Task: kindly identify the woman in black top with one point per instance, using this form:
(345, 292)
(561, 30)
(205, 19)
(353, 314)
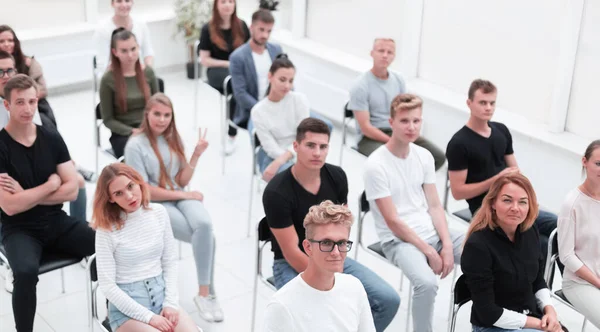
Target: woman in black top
(502, 262)
(219, 38)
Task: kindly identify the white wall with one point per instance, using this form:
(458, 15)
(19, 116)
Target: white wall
(513, 43)
(584, 113)
(40, 14)
(352, 25)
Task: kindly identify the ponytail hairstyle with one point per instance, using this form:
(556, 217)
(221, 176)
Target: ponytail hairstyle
(281, 61)
(588, 153)
(122, 34)
(216, 35)
(20, 58)
(170, 134)
(486, 217)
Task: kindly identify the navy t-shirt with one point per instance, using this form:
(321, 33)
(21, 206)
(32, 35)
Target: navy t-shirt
(483, 157)
(286, 202)
(31, 167)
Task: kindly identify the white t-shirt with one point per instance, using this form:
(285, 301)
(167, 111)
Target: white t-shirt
(276, 122)
(387, 175)
(4, 116)
(102, 38)
(297, 307)
(262, 64)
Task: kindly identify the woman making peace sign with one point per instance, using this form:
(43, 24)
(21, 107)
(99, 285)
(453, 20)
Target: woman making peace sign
(157, 154)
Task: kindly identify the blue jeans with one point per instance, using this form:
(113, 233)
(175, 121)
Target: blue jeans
(264, 161)
(384, 299)
(78, 208)
(497, 329)
(150, 293)
(546, 223)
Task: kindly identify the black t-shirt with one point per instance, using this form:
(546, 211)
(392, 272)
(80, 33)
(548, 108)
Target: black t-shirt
(31, 167)
(215, 52)
(286, 202)
(482, 157)
(502, 274)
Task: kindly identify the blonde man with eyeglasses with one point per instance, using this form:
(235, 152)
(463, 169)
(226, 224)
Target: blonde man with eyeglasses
(322, 297)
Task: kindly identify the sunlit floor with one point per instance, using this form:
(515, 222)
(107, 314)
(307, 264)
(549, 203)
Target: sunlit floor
(227, 195)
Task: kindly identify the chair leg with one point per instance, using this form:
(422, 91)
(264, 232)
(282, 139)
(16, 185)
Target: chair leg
(409, 308)
(224, 122)
(179, 250)
(452, 291)
(62, 279)
(453, 319)
(584, 324)
(250, 204)
(401, 281)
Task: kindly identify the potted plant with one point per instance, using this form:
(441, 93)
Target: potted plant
(268, 4)
(190, 16)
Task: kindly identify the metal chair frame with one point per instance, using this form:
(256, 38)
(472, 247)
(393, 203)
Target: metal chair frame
(263, 237)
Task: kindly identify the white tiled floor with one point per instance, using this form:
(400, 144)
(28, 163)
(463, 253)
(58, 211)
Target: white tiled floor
(226, 198)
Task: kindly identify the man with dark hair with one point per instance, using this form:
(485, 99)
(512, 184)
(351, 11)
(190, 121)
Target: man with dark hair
(371, 97)
(249, 65)
(481, 152)
(287, 199)
(31, 210)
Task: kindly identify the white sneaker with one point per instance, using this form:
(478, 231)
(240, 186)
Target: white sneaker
(204, 305)
(229, 145)
(216, 309)
(8, 281)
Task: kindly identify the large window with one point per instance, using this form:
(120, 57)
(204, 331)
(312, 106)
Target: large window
(513, 43)
(41, 14)
(352, 25)
(584, 114)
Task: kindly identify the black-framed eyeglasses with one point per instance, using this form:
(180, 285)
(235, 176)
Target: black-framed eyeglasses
(10, 72)
(328, 245)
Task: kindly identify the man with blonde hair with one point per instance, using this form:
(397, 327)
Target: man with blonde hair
(288, 198)
(322, 297)
(409, 218)
(371, 97)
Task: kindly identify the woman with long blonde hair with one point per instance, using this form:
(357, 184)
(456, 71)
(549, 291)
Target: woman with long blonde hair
(157, 153)
(135, 255)
(503, 264)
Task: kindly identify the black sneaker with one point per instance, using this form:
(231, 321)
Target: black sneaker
(88, 176)
(106, 324)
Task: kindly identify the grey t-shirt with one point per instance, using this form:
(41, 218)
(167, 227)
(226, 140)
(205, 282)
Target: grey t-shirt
(140, 156)
(375, 95)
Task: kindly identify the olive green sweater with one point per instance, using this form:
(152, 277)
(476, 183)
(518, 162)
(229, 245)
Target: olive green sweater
(112, 116)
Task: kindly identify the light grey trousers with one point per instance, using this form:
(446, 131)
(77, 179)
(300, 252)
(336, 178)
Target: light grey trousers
(192, 224)
(584, 297)
(413, 264)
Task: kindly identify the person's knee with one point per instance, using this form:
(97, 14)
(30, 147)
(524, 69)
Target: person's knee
(426, 284)
(25, 273)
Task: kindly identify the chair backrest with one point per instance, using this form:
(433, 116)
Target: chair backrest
(462, 294)
(264, 232)
(364, 204)
(98, 114)
(552, 258)
(93, 270)
(348, 112)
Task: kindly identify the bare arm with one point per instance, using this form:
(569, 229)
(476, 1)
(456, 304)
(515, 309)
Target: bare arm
(149, 61)
(400, 228)
(69, 187)
(207, 61)
(159, 194)
(511, 160)
(24, 200)
(436, 211)
(288, 242)
(374, 133)
(462, 190)
(185, 174)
